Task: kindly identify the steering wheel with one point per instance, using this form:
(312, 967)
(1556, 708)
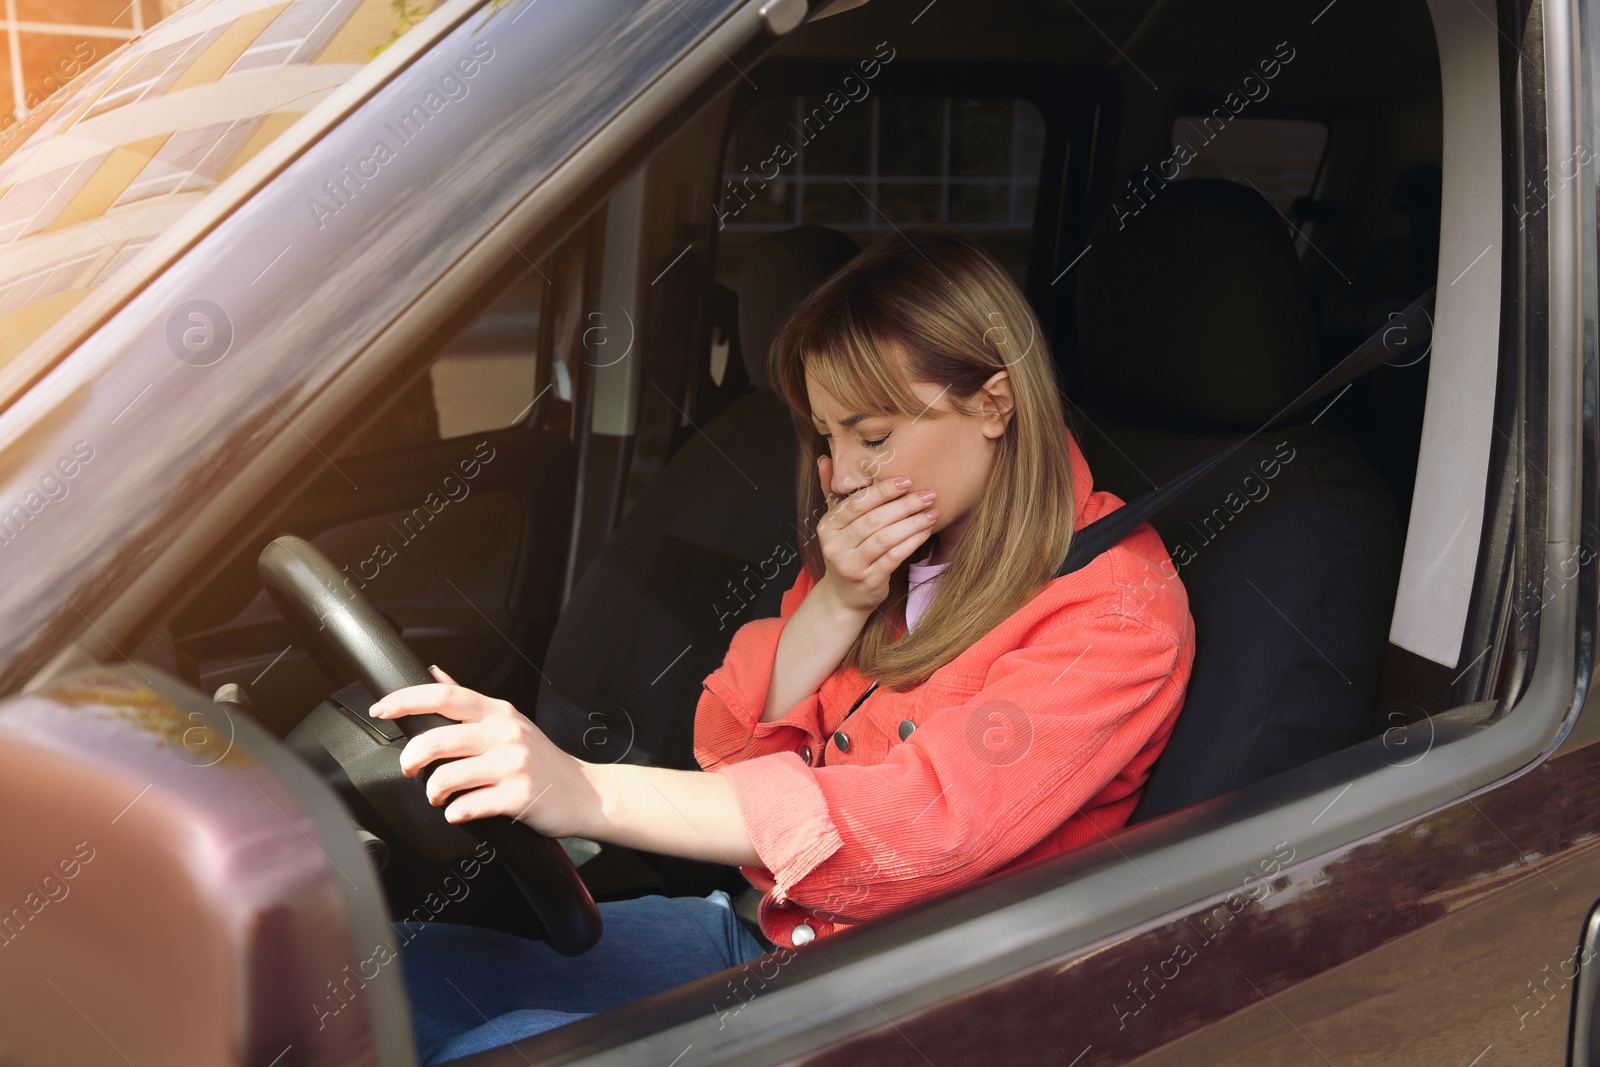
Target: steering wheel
(347, 637)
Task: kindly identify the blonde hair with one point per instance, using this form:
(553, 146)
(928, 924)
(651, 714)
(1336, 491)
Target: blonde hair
(958, 318)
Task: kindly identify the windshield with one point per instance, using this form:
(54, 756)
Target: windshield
(95, 173)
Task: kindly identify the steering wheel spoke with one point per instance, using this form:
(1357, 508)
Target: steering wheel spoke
(353, 643)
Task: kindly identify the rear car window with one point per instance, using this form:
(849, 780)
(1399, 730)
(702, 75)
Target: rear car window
(882, 162)
(1281, 158)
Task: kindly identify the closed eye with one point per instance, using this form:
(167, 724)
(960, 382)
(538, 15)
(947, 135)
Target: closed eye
(869, 442)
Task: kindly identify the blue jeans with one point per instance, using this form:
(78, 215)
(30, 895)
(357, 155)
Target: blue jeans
(472, 989)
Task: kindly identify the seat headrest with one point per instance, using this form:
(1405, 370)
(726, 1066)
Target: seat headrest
(778, 272)
(1193, 311)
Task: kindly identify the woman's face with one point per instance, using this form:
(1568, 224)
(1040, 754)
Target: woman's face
(940, 449)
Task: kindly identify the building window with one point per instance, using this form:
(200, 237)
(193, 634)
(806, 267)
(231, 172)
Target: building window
(121, 260)
(45, 282)
(297, 35)
(189, 161)
(34, 203)
(153, 74)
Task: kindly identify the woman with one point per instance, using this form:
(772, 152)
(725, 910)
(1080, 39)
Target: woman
(932, 705)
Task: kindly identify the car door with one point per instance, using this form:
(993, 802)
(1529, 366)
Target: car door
(1422, 897)
(230, 880)
(451, 510)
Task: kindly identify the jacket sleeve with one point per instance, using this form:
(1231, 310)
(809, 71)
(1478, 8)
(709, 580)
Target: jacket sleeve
(979, 782)
(727, 726)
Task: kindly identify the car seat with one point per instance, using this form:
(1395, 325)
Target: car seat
(693, 558)
(1194, 328)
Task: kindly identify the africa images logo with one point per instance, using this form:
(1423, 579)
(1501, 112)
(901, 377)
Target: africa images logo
(999, 733)
(736, 194)
(53, 486)
(342, 189)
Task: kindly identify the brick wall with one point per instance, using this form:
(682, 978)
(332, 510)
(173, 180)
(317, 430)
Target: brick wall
(48, 41)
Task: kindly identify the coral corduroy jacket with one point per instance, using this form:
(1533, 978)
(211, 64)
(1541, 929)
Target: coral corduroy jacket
(1037, 739)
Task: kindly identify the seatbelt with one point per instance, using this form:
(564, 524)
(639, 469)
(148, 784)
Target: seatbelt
(1405, 331)
(1409, 330)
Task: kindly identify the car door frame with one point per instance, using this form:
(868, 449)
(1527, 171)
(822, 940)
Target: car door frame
(931, 954)
(327, 404)
(109, 585)
(952, 959)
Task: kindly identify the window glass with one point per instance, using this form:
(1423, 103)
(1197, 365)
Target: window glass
(1280, 157)
(33, 204)
(485, 378)
(491, 374)
(152, 74)
(103, 166)
(297, 35)
(883, 163)
(189, 161)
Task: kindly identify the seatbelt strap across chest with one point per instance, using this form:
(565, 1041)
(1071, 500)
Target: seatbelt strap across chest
(1408, 331)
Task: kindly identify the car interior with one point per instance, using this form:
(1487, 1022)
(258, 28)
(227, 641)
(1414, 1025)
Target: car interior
(573, 497)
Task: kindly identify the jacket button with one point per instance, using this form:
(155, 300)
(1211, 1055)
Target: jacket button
(906, 726)
(802, 934)
(805, 753)
(840, 739)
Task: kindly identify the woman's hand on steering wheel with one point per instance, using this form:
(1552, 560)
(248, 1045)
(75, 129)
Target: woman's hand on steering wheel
(500, 762)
